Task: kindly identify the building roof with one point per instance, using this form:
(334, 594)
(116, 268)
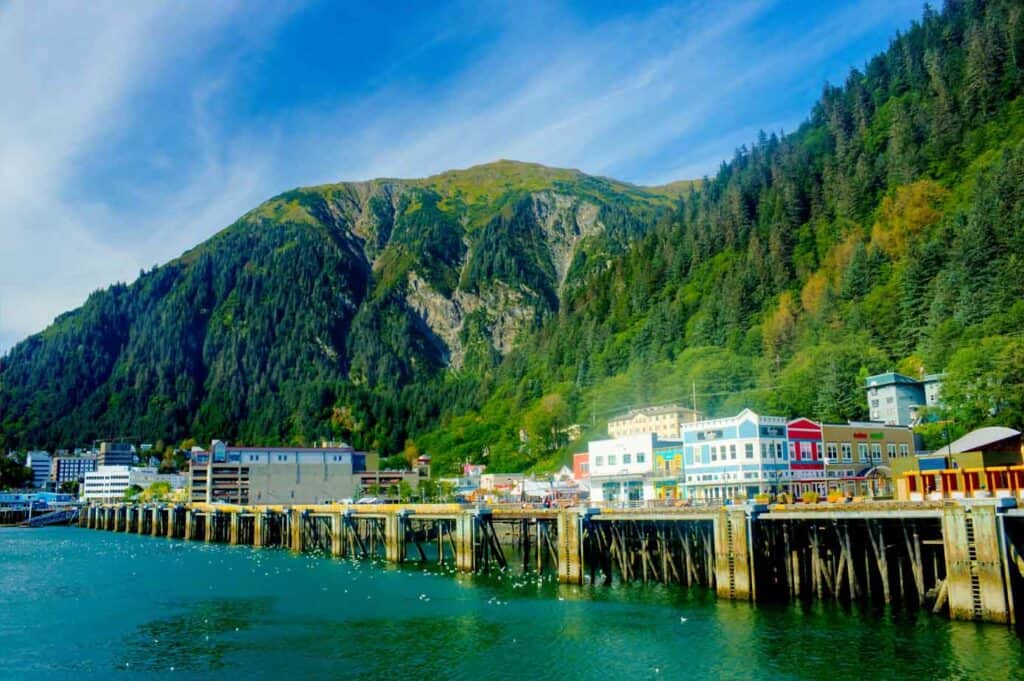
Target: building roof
(979, 439)
(653, 411)
(889, 378)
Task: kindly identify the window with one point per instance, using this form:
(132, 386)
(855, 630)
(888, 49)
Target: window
(732, 452)
(793, 454)
(904, 450)
(714, 453)
(847, 452)
(611, 459)
(805, 451)
(862, 452)
(750, 450)
(831, 451)
(874, 403)
(598, 460)
(627, 459)
(891, 451)
(641, 457)
(780, 451)
(876, 452)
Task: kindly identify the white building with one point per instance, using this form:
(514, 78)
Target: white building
(144, 477)
(39, 462)
(620, 468)
(737, 457)
(106, 483)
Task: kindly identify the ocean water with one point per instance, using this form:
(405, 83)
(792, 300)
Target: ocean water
(80, 603)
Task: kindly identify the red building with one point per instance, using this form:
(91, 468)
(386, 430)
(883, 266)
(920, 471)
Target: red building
(581, 466)
(806, 461)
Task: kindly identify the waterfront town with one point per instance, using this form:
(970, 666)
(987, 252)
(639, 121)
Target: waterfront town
(664, 455)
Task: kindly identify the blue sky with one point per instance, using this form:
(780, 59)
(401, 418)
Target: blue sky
(131, 131)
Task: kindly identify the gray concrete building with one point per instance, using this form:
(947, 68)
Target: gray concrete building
(116, 454)
(276, 475)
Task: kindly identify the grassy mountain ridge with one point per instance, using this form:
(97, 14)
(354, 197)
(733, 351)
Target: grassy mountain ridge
(335, 298)
(468, 308)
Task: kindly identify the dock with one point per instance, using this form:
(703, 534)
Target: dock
(962, 558)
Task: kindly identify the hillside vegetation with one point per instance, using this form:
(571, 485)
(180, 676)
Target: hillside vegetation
(446, 315)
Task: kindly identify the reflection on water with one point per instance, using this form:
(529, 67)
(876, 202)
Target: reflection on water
(86, 603)
(194, 640)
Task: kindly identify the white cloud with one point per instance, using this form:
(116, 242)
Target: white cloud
(69, 75)
(641, 96)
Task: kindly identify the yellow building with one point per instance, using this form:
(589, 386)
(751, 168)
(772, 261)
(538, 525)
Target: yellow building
(859, 456)
(663, 421)
(984, 463)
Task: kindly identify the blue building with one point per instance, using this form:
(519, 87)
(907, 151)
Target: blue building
(895, 399)
(737, 457)
(37, 500)
(39, 462)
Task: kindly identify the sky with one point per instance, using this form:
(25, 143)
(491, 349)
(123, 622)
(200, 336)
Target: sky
(131, 131)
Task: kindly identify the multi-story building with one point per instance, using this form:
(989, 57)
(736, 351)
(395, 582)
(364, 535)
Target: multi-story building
(144, 477)
(276, 475)
(932, 384)
(116, 454)
(39, 462)
(895, 399)
(620, 469)
(663, 421)
(71, 468)
(806, 457)
(859, 455)
(737, 457)
(106, 483)
(667, 476)
(387, 484)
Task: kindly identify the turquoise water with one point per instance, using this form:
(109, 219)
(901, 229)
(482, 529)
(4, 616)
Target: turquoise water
(88, 604)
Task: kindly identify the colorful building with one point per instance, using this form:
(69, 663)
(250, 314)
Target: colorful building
(859, 456)
(806, 458)
(984, 463)
(667, 476)
(581, 466)
(735, 458)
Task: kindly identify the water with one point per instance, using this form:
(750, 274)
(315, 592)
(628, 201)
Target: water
(82, 603)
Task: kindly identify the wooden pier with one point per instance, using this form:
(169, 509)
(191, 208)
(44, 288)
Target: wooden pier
(964, 558)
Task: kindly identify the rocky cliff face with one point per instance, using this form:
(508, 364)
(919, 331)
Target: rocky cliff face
(362, 284)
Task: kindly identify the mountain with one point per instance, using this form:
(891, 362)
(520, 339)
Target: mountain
(475, 314)
(329, 297)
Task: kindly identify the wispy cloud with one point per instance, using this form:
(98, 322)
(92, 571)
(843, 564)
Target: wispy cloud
(70, 74)
(648, 97)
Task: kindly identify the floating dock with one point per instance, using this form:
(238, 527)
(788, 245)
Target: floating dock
(960, 557)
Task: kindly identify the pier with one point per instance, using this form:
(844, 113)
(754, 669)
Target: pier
(964, 558)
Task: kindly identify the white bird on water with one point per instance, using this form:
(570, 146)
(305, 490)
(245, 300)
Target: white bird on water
(682, 620)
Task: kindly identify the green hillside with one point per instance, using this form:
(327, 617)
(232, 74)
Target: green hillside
(455, 314)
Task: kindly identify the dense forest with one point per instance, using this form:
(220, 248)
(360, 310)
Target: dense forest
(475, 314)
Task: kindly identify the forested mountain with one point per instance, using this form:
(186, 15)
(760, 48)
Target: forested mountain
(887, 232)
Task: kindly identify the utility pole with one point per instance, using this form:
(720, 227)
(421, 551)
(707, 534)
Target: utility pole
(693, 394)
